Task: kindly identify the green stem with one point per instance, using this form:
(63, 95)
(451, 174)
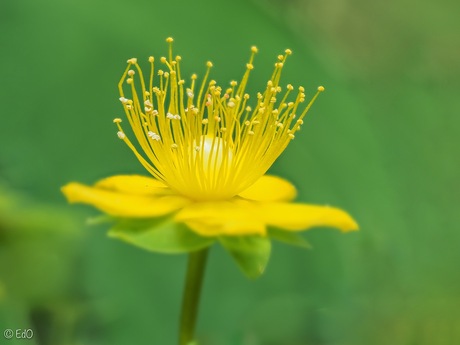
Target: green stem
(191, 297)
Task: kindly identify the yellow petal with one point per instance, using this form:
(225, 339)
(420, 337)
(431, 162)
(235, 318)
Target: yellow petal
(221, 218)
(292, 216)
(270, 188)
(133, 184)
(119, 204)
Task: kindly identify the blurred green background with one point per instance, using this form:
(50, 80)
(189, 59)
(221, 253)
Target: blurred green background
(381, 142)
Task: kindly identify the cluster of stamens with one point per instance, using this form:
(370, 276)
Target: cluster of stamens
(214, 145)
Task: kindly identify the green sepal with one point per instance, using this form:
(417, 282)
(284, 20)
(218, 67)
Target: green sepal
(161, 235)
(289, 237)
(251, 253)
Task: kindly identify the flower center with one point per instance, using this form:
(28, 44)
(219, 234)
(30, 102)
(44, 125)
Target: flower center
(213, 155)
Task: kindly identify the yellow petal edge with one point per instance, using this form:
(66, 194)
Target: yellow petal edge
(270, 188)
(118, 204)
(297, 217)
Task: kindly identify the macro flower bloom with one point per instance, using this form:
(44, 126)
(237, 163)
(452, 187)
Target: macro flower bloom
(207, 149)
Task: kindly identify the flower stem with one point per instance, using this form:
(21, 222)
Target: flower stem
(191, 297)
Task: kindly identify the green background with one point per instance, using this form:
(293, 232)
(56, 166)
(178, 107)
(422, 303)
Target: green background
(381, 142)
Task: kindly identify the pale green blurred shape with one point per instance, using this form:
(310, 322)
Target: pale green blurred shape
(39, 270)
(381, 143)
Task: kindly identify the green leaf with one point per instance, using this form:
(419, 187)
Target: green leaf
(161, 235)
(251, 253)
(289, 237)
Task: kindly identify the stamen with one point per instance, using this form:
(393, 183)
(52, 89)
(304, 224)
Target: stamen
(153, 136)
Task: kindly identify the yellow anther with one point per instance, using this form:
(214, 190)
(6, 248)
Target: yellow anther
(151, 59)
(163, 59)
(233, 83)
(209, 64)
(194, 76)
(116, 120)
(129, 80)
(178, 58)
(288, 51)
(290, 87)
(301, 89)
(131, 72)
(249, 66)
(169, 39)
(132, 61)
(280, 57)
(321, 88)
(254, 49)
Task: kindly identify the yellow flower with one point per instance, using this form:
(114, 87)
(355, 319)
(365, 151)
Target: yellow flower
(207, 150)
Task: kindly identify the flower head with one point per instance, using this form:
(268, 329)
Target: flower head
(205, 141)
(207, 149)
